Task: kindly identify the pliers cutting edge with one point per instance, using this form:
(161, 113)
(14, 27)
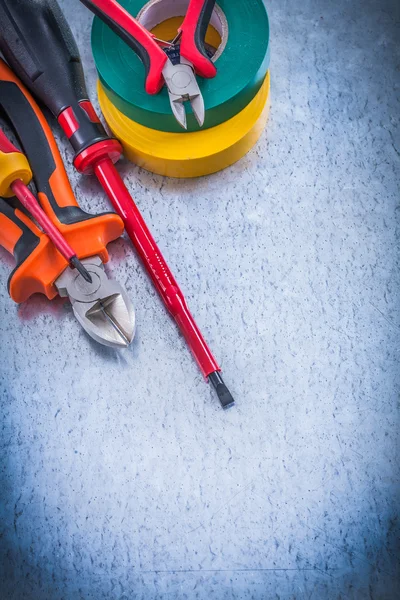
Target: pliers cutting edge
(174, 64)
(101, 305)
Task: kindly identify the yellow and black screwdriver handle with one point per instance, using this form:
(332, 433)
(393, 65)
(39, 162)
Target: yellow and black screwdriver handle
(39, 263)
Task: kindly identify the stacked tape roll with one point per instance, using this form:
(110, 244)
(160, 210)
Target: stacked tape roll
(191, 154)
(235, 100)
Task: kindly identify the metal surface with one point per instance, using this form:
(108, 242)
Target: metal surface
(102, 306)
(182, 85)
(120, 477)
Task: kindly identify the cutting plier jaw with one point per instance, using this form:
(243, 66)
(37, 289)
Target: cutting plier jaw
(102, 307)
(189, 44)
(182, 86)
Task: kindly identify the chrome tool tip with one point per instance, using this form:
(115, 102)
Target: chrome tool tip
(76, 264)
(179, 111)
(224, 395)
(198, 108)
(183, 87)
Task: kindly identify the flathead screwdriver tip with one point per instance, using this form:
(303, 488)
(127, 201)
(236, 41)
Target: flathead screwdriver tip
(224, 395)
(76, 263)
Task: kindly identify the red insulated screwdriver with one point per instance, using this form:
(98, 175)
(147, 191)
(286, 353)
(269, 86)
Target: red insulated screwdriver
(39, 46)
(15, 175)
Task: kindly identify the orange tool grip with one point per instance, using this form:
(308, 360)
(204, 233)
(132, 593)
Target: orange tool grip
(39, 264)
(87, 234)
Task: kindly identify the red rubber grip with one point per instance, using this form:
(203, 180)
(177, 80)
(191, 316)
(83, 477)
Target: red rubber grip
(193, 29)
(136, 36)
(6, 146)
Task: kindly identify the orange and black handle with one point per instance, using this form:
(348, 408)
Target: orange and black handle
(87, 234)
(38, 263)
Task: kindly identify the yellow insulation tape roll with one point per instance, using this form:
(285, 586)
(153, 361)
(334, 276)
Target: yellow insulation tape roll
(189, 154)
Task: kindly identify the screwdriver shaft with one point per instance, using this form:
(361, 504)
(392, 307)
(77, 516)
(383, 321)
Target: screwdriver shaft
(29, 202)
(155, 263)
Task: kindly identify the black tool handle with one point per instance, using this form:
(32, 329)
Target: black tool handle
(38, 44)
(40, 148)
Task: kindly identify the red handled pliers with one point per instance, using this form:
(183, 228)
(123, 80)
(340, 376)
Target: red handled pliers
(175, 64)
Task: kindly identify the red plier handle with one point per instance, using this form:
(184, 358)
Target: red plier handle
(193, 36)
(192, 41)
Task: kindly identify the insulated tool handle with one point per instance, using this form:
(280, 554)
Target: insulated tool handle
(108, 175)
(38, 44)
(13, 165)
(136, 36)
(39, 264)
(87, 234)
(156, 265)
(15, 175)
(194, 29)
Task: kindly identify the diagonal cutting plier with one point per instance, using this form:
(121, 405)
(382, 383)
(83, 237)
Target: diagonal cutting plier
(38, 44)
(175, 64)
(101, 305)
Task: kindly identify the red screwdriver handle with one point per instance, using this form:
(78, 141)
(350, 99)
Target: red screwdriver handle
(13, 165)
(136, 36)
(6, 145)
(155, 264)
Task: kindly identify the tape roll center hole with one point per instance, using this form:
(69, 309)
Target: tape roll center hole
(164, 17)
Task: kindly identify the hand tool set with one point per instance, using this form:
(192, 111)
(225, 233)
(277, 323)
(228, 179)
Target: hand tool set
(101, 306)
(39, 47)
(175, 45)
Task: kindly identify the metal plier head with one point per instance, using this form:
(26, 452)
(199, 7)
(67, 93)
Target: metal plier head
(102, 307)
(177, 65)
(180, 79)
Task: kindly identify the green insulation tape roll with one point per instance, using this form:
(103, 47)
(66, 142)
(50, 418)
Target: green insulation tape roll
(242, 61)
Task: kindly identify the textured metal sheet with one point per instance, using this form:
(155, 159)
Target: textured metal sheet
(120, 476)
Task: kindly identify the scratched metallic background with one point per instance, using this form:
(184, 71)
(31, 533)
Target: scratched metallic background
(121, 478)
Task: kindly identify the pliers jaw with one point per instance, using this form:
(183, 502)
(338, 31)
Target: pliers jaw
(102, 307)
(177, 72)
(181, 82)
